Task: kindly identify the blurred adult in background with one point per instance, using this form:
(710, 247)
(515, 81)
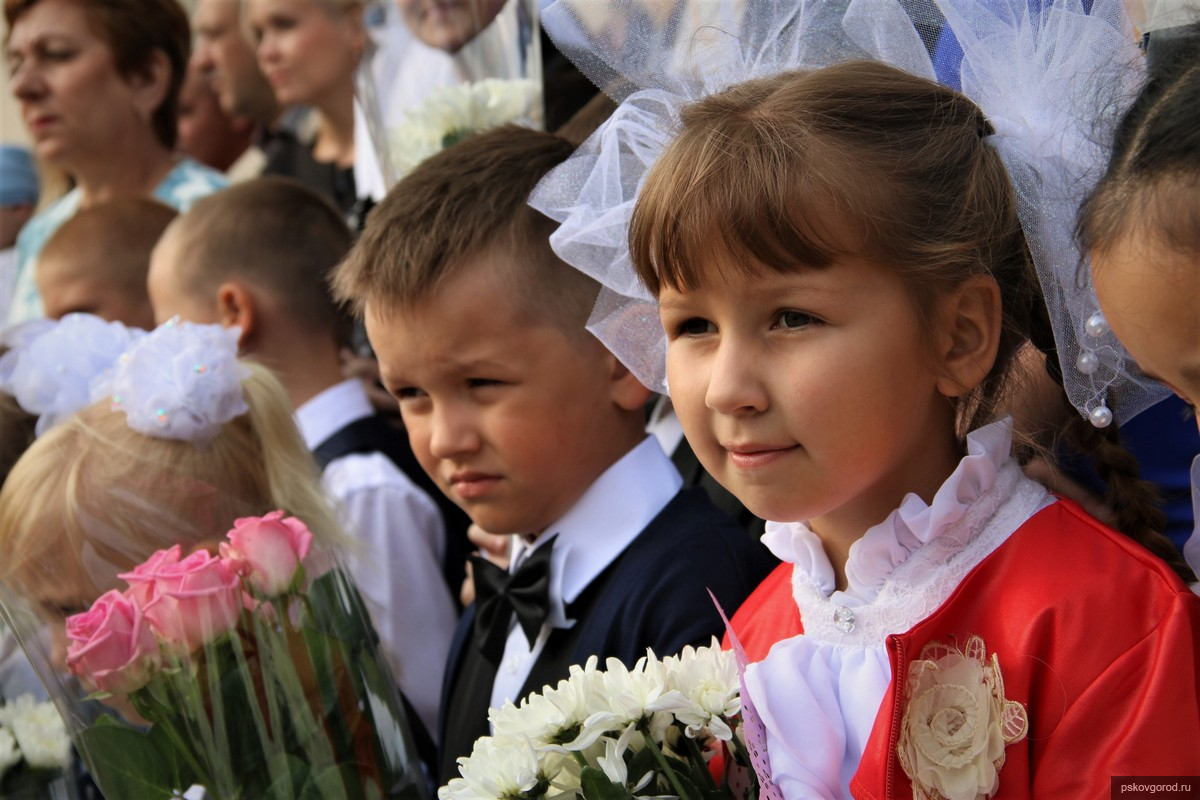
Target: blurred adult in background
(18, 198)
(308, 50)
(97, 82)
(212, 137)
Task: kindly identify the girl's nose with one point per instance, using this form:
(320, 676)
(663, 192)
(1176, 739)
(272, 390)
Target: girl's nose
(735, 385)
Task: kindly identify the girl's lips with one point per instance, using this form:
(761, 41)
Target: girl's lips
(750, 456)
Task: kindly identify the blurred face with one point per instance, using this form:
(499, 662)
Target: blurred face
(809, 395)
(168, 295)
(67, 289)
(307, 51)
(206, 132)
(1148, 293)
(71, 97)
(504, 415)
(225, 56)
(448, 24)
(12, 219)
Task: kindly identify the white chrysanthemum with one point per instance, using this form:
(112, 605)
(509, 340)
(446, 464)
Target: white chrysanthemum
(497, 769)
(553, 719)
(9, 754)
(705, 690)
(451, 113)
(631, 696)
(39, 732)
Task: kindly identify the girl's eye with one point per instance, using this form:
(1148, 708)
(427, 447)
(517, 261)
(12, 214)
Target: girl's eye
(408, 393)
(695, 326)
(795, 319)
(479, 383)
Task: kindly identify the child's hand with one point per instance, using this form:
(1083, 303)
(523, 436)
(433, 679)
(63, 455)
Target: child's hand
(495, 547)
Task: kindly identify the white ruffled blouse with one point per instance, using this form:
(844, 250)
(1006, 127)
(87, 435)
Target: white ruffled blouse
(818, 693)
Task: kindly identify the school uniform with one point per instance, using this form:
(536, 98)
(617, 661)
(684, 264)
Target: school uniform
(630, 568)
(1095, 638)
(398, 566)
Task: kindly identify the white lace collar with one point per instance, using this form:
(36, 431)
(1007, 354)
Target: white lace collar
(905, 566)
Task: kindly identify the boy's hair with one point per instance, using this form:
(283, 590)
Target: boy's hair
(462, 203)
(274, 233)
(115, 237)
(1153, 175)
(793, 171)
(110, 497)
(16, 433)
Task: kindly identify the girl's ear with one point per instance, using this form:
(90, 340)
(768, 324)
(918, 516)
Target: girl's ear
(626, 390)
(151, 83)
(969, 336)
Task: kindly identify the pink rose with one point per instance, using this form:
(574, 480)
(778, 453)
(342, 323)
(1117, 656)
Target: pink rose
(268, 551)
(188, 602)
(111, 646)
(142, 581)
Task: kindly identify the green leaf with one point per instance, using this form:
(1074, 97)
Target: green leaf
(125, 763)
(597, 786)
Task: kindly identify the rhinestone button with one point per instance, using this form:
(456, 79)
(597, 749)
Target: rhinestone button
(843, 619)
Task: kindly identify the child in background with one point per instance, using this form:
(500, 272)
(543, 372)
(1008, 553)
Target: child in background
(258, 256)
(536, 429)
(844, 282)
(1139, 226)
(96, 263)
(19, 190)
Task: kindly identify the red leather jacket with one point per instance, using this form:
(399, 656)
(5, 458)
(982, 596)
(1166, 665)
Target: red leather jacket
(1096, 637)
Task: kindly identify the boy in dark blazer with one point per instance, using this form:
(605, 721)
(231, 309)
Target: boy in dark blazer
(527, 421)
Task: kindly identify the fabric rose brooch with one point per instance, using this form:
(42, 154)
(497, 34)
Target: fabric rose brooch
(957, 723)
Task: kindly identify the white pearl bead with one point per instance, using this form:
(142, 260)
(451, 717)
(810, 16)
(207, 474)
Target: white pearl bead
(1087, 363)
(1100, 416)
(1096, 325)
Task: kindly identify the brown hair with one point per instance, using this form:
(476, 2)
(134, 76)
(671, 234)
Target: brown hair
(134, 30)
(16, 433)
(274, 233)
(455, 206)
(122, 232)
(793, 171)
(1154, 172)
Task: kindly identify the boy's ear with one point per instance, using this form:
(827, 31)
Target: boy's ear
(626, 390)
(236, 306)
(969, 336)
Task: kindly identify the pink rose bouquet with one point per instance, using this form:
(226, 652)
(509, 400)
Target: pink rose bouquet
(251, 673)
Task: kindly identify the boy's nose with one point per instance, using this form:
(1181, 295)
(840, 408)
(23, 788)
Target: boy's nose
(452, 433)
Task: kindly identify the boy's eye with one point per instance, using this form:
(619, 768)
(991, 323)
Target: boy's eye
(408, 393)
(479, 383)
(695, 326)
(795, 319)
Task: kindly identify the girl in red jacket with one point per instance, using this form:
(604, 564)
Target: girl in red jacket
(846, 264)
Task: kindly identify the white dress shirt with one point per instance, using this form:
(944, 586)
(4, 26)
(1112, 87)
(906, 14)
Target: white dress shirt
(398, 567)
(591, 535)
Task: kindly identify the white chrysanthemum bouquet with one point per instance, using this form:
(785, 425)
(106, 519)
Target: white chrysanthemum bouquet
(616, 734)
(34, 747)
(451, 113)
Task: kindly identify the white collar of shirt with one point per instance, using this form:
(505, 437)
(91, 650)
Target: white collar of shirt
(331, 410)
(596, 530)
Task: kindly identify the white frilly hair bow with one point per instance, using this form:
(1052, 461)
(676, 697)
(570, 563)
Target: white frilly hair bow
(1053, 77)
(49, 366)
(180, 381)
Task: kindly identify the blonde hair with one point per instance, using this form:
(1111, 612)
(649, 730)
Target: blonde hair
(95, 491)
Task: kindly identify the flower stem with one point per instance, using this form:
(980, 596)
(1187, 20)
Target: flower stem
(644, 727)
(697, 759)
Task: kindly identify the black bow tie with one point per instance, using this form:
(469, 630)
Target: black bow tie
(498, 594)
